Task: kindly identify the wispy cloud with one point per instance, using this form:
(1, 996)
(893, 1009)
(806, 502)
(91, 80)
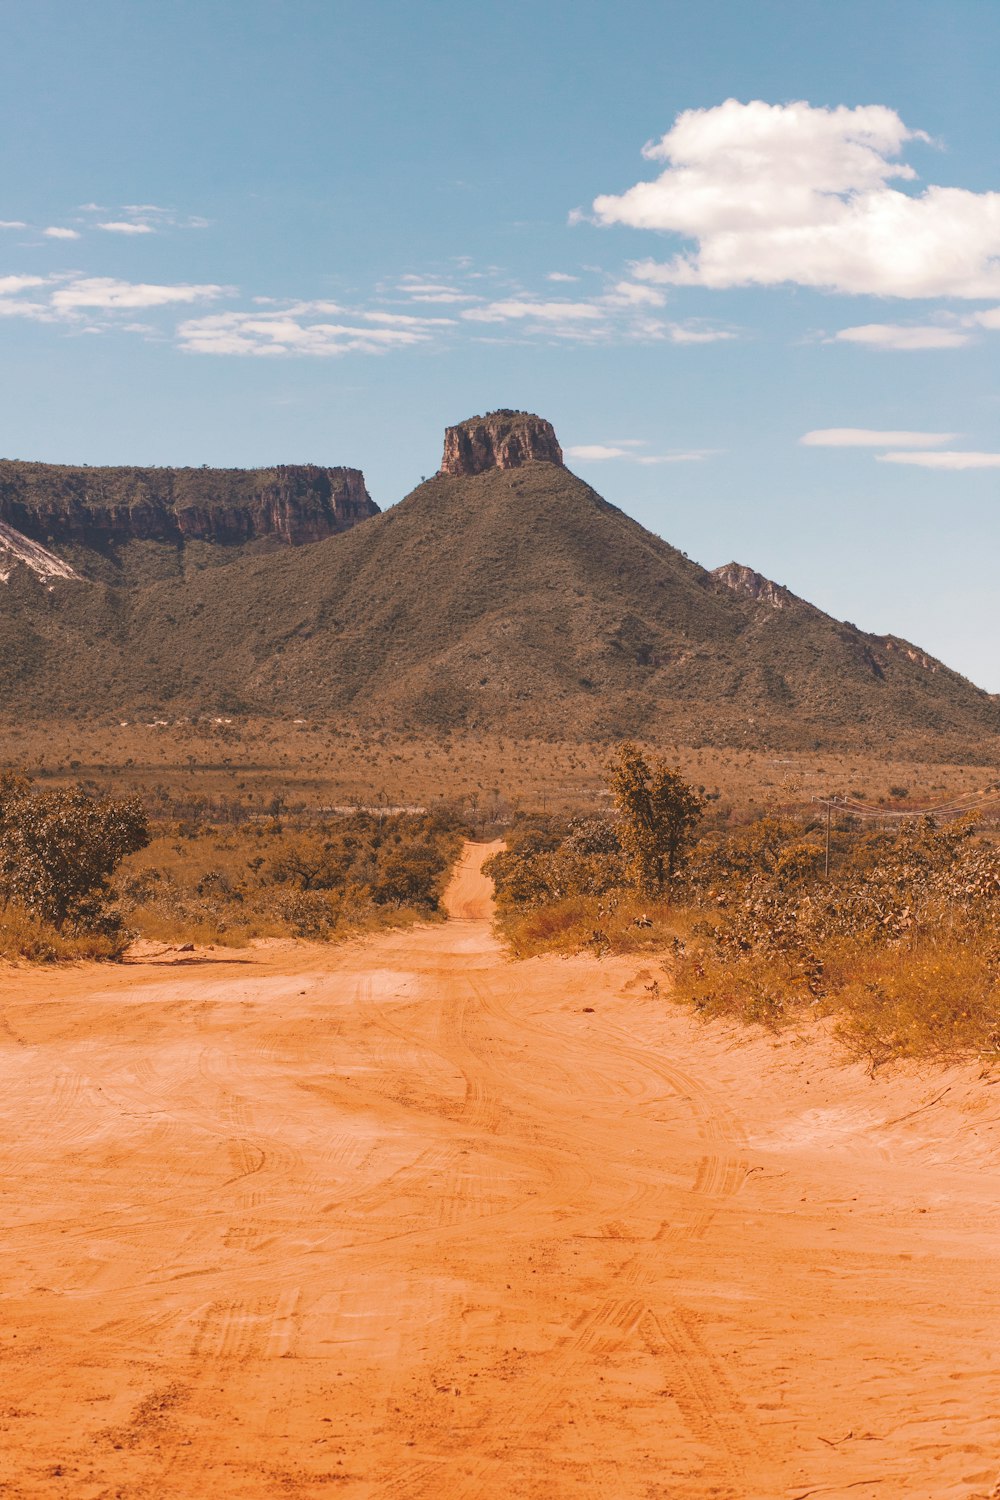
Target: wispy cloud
(521, 309)
(126, 226)
(905, 336)
(618, 309)
(625, 449)
(304, 328)
(698, 333)
(424, 289)
(870, 437)
(414, 310)
(12, 224)
(948, 460)
(9, 284)
(107, 292)
(23, 307)
(597, 452)
(773, 193)
(634, 294)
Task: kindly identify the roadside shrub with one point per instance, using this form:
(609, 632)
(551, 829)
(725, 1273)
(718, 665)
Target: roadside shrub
(321, 882)
(58, 852)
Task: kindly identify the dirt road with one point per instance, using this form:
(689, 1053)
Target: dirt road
(407, 1220)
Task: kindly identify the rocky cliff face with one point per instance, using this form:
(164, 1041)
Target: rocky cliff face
(95, 507)
(740, 579)
(500, 440)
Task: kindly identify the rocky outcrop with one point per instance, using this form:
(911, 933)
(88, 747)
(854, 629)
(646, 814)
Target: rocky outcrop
(57, 504)
(739, 579)
(500, 440)
(16, 550)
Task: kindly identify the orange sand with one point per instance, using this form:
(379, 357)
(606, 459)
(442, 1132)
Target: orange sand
(406, 1220)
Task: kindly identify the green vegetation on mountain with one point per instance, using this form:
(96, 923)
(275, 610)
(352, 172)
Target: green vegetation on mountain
(513, 600)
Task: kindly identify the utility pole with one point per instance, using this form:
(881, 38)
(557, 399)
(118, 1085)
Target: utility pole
(826, 863)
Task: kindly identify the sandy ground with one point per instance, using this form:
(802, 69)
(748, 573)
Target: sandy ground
(408, 1220)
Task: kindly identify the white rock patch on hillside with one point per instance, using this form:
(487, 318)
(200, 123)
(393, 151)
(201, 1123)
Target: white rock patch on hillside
(15, 548)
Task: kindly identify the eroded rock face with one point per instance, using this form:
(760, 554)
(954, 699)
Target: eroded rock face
(16, 549)
(500, 440)
(295, 503)
(740, 579)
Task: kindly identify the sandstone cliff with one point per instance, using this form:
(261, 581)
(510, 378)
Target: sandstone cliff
(500, 440)
(58, 504)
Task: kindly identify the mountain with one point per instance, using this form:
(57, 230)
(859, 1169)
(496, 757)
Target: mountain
(503, 594)
(128, 525)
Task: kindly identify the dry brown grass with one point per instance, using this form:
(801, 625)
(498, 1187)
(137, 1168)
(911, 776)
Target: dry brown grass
(623, 922)
(24, 938)
(248, 763)
(937, 997)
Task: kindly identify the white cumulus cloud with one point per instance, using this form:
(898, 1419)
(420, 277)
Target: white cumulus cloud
(59, 232)
(774, 193)
(905, 336)
(869, 437)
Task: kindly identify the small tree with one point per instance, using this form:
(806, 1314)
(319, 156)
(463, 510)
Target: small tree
(58, 850)
(659, 814)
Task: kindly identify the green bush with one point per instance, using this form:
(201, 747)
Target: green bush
(59, 850)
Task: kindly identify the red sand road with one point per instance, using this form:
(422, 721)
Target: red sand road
(408, 1220)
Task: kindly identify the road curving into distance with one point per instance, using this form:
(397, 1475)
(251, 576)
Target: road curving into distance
(404, 1220)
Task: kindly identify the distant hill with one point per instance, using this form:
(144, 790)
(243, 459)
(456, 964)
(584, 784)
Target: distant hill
(513, 599)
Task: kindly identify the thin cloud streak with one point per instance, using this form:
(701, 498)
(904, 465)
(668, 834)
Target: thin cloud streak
(902, 336)
(951, 461)
(869, 437)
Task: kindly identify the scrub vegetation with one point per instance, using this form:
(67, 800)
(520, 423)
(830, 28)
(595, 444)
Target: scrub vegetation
(893, 934)
(83, 876)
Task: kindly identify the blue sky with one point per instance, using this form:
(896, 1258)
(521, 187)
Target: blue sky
(239, 232)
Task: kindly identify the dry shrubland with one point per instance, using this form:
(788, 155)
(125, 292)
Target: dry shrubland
(898, 941)
(82, 876)
(208, 765)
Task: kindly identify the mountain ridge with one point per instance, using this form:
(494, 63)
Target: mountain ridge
(513, 600)
(93, 515)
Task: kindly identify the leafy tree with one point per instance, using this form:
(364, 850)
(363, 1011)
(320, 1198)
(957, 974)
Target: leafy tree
(659, 814)
(58, 850)
(316, 861)
(407, 875)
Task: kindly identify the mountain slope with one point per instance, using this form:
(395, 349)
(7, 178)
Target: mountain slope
(511, 599)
